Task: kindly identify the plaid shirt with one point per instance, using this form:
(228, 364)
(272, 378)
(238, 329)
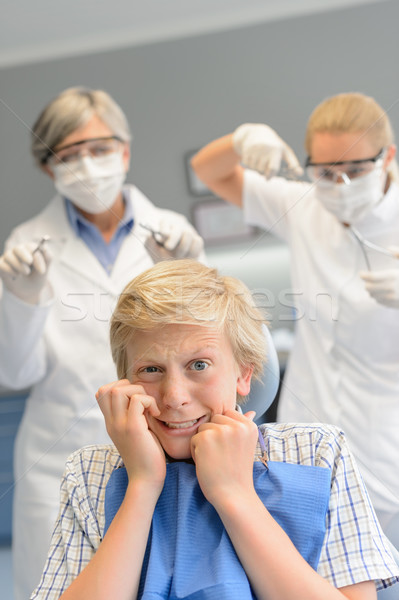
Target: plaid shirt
(354, 548)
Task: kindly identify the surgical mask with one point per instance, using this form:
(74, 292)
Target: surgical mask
(92, 184)
(350, 203)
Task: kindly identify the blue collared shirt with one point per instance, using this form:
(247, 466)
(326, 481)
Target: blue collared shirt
(106, 253)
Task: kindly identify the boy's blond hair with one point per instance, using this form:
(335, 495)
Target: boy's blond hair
(188, 292)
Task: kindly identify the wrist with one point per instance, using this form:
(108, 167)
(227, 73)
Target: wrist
(232, 502)
(144, 490)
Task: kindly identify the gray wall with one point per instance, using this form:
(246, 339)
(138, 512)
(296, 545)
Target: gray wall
(179, 95)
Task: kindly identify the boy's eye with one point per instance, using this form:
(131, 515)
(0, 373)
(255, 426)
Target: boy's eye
(150, 370)
(199, 365)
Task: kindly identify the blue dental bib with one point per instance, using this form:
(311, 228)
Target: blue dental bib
(189, 554)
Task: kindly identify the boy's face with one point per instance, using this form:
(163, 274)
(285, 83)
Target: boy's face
(191, 372)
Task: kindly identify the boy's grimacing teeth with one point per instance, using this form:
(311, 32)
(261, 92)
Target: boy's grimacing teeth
(182, 425)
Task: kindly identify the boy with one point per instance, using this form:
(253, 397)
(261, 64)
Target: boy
(195, 501)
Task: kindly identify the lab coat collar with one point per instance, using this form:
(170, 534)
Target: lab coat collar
(76, 218)
(71, 251)
(68, 248)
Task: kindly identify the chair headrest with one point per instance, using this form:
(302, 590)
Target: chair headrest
(264, 392)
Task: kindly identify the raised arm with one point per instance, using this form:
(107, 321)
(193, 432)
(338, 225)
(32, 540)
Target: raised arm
(253, 145)
(218, 166)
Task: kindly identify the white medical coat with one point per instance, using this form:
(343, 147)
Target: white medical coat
(344, 367)
(61, 350)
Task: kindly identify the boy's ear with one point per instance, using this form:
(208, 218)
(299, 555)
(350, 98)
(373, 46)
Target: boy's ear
(244, 381)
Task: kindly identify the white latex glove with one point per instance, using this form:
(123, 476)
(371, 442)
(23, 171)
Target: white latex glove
(383, 286)
(394, 250)
(180, 239)
(24, 269)
(262, 150)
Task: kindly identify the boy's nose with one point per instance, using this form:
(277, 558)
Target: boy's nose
(174, 393)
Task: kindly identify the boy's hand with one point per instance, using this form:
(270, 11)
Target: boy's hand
(124, 406)
(223, 451)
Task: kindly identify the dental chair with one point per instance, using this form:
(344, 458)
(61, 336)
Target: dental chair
(264, 392)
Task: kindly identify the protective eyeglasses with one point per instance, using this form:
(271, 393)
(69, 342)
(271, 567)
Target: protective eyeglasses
(344, 170)
(95, 147)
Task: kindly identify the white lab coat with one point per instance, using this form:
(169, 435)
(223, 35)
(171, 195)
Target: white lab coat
(61, 350)
(344, 367)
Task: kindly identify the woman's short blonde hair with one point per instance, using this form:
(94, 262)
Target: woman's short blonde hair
(70, 110)
(188, 292)
(353, 112)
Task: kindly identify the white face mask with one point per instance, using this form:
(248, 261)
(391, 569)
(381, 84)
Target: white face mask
(92, 184)
(350, 203)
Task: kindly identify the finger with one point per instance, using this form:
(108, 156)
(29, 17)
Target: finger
(104, 389)
(378, 283)
(274, 163)
(249, 159)
(378, 288)
(47, 254)
(6, 269)
(227, 419)
(172, 235)
(380, 291)
(292, 161)
(251, 414)
(130, 402)
(25, 252)
(197, 246)
(262, 163)
(190, 245)
(140, 403)
(394, 250)
(207, 426)
(193, 447)
(102, 397)
(156, 252)
(228, 416)
(183, 246)
(389, 302)
(39, 263)
(18, 265)
(376, 276)
(119, 400)
(364, 275)
(172, 241)
(259, 158)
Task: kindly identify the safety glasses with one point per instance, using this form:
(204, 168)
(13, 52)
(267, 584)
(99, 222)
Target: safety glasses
(94, 147)
(344, 171)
